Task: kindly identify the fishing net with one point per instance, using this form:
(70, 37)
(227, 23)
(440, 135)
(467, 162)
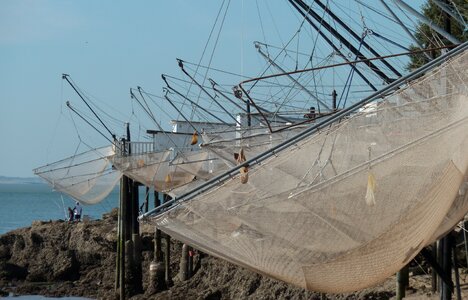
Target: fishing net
(348, 206)
(87, 177)
(202, 164)
(153, 170)
(251, 142)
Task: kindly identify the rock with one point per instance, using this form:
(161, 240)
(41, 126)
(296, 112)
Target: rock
(3, 293)
(78, 258)
(9, 271)
(66, 267)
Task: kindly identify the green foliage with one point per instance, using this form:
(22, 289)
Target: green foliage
(429, 38)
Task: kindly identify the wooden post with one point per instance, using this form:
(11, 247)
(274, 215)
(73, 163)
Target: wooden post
(190, 262)
(157, 282)
(167, 256)
(455, 268)
(146, 200)
(183, 267)
(446, 254)
(433, 272)
(135, 207)
(117, 257)
(334, 94)
(137, 268)
(158, 256)
(123, 218)
(402, 281)
(157, 268)
(167, 262)
(129, 268)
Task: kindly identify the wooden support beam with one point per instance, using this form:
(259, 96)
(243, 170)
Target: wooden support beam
(157, 280)
(183, 266)
(122, 239)
(146, 207)
(433, 272)
(447, 287)
(190, 262)
(158, 255)
(167, 262)
(402, 282)
(430, 259)
(455, 268)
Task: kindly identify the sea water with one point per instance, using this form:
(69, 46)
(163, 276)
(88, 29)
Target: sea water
(21, 204)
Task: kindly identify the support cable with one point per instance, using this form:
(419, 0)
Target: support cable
(65, 76)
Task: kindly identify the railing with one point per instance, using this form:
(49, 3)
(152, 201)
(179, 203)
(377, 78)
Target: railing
(141, 147)
(136, 147)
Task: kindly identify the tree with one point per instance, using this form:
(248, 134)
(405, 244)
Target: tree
(429, 38)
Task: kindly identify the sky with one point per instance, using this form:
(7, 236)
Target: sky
(107, 47)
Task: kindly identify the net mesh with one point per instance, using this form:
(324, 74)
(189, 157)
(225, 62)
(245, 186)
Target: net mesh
(154, 170)
(347, 207)
(87, 177)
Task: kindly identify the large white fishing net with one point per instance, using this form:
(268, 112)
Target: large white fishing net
(347, 207)
(87, 177)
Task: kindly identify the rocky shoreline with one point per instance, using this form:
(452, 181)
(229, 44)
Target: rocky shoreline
(59, 258)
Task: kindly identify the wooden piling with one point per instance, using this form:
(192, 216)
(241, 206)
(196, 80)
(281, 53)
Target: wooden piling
(433, 271)
(445, 253)
(455, 268)
(167, 256)
(157, 272)
(129, 269)
(402, 282)
(158, 256)
(167, 261)
(117, 257)
(146, 207)
(122, 239)
(190, 262)
(137, 261)
(183, 266)
(157, 282)
(137, 268)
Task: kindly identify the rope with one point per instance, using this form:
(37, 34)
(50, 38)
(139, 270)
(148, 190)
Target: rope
(214, 47)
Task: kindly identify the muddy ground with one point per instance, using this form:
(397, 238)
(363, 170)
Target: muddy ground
(59, 258)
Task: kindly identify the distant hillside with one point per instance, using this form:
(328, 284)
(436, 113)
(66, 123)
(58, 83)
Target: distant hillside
(20, 180)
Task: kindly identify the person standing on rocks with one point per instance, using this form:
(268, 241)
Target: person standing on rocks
(77, 210)
(71, 214)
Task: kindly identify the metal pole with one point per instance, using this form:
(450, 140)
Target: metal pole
(335, 48)
(357, 37)
(342, 39)
(268, 59)
(192, 102)
(181, 65)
